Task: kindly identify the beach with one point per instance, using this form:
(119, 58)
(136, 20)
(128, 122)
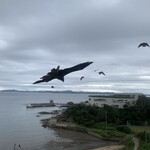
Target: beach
(76, 140)
(80, 139)
(113, 147)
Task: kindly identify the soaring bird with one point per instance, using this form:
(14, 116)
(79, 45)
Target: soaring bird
(52, 87)
(19, 146)
(143, 45)
(101, 72)
(95, 70)
(81, 77)
(59, 74)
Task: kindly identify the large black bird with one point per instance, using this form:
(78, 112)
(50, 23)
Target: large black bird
(59, 74)
(143, 45)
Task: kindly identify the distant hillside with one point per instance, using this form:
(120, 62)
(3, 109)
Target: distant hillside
(9, 91)
(67, 91)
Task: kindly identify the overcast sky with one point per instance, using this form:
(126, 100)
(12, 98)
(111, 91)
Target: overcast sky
(38, 35)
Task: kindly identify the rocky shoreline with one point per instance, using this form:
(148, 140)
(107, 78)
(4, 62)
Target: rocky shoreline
(57, 125)
(53, 123)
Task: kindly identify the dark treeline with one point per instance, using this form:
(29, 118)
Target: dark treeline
(90, 116)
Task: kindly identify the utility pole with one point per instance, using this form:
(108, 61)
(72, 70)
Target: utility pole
(106, 119)
(146, 123)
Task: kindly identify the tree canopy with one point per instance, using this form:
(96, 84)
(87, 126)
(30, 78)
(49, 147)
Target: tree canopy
(89, 116)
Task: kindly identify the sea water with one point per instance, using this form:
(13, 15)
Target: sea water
(21, 126)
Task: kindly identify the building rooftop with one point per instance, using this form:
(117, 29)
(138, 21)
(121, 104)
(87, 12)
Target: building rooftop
(118, 95)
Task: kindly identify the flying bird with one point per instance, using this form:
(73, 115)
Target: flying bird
(81, 77)
(19, 146)
(143, 45)
(101, 72)
(95, 70)
(52, 87)
(60, 73)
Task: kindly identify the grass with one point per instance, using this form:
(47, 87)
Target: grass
(112, 133)
(128, 142)
(138, 129)
(143, 145)
(108, 133)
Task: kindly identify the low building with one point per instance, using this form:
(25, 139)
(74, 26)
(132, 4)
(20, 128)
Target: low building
(116, 99)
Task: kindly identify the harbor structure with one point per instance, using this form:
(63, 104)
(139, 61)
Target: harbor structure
(50, 104)
(115, 100)
(33, 105)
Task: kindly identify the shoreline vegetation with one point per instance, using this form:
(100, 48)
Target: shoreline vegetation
(108, 123)
(55, 124)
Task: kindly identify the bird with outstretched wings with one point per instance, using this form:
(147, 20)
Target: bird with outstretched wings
(143, 45)
(81, 77)
(60, 73)
(101, 72)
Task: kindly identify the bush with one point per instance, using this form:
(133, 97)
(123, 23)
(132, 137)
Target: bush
(107, 133)
(124, 128)
(144, 140)
(102, 125)
(144, 136)
(144, 145)
(128, 142)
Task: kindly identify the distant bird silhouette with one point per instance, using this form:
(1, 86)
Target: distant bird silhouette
(101, 72)
(143, 45)
(59, 74)
(19, 146)
(81, 77)
(52, 87)
(95, 70)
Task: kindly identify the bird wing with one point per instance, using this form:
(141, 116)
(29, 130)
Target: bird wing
(143, 44)
(59, 74)
(39, 81)
(102, 73)
(49, 76)
(74, 68)
(46, 78)
(58, 68)
(140, 45)
(81, 78)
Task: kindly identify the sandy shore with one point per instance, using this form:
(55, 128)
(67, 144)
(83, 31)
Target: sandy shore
(78, 138)
(114, 147)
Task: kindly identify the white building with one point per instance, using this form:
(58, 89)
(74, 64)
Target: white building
(116, 99)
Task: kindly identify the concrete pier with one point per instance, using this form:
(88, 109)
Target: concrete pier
(33, 105)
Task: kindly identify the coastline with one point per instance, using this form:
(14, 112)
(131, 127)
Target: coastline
(110, 144)
(113, 147)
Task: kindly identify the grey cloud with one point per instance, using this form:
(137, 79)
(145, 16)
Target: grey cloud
(36, 36)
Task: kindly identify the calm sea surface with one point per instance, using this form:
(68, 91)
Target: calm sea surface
(21, 126)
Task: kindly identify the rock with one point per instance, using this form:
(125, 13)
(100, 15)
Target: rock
(43, 112)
